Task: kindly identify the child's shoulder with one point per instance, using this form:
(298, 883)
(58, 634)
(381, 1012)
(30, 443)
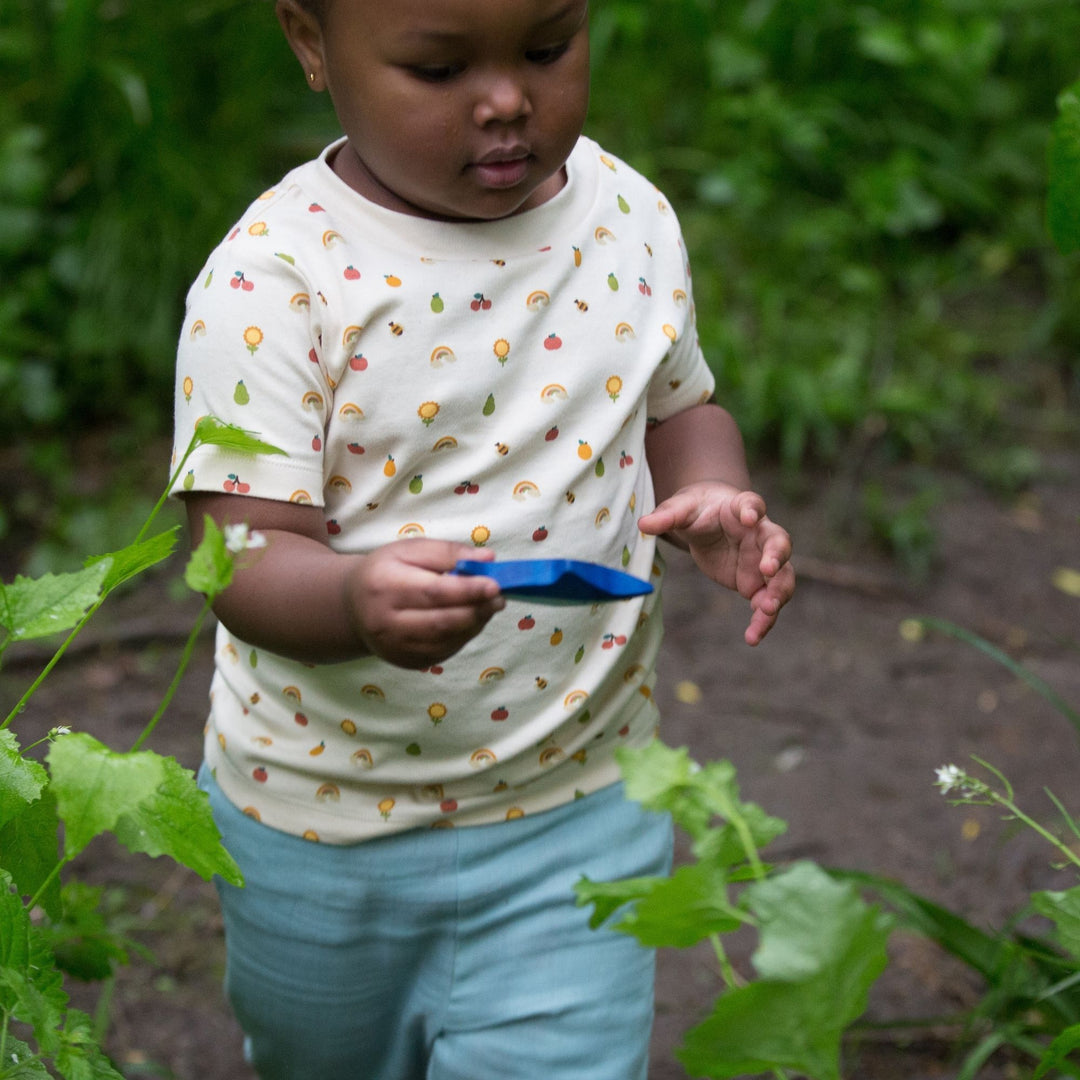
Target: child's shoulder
(621, 183)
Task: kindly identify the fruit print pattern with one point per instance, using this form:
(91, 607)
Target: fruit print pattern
(422, 388)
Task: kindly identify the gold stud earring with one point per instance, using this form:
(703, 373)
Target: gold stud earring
(311, 76)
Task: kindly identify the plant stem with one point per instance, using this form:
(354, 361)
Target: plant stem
(101, 599)
(104, 1009)
(22, 702)
(185, 660)
(727, 972)
(163, 498)
(1048, 836)
(36, 898)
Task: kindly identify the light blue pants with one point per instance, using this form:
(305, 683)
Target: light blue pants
(446, 954)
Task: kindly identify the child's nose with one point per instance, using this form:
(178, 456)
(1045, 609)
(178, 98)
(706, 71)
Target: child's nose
(504, 98)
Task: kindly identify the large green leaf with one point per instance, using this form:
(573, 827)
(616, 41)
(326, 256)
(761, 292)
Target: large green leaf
(21, 779)
(821, 948)
(38, 607)
(151, 803)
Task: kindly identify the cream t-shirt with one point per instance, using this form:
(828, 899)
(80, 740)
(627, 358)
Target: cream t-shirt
(489, 383)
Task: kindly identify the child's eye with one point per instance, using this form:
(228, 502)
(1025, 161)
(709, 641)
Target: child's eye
(548, 55)
(436, 73)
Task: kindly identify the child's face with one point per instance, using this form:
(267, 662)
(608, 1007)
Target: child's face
(461, 109)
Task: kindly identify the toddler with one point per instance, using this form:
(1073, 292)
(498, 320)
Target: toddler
(471, 331)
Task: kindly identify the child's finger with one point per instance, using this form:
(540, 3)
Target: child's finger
(678, 512)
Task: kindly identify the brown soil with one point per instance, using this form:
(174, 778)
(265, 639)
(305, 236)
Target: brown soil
(835, 724)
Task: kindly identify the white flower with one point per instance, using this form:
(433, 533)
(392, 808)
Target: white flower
(948, 777)
(240, 538)
(60, 729)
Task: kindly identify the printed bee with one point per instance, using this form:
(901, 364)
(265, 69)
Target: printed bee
(541, 683)
(372, 506)
(396, 329)
(499, 262)
(502, 449)
(581, 305)
(570, 496)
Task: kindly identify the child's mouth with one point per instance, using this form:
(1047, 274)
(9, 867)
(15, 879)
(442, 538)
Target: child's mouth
(502, 172)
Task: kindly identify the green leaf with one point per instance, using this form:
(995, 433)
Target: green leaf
(132, 560)
(684, 909)
(30, 849)
(1063, 203)
(211, 431)
(211, 566)
(807, 920)
(80, 1057)
(1057, 1053)
(24, 953)
(151, 803)
(1063, 909)
(664, 779)
(22, 1063)
(21, 779)
(83, 942)
(608, 896)
(30, 1006)
(794, 1016)
(38, 607)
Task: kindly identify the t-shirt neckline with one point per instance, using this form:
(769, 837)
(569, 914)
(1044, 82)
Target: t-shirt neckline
(524, 233)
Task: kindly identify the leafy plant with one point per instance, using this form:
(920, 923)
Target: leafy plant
(820, 947)
(861, 188)
(85, 788)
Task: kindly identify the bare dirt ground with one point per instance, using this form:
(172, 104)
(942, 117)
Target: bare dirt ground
(835, 724)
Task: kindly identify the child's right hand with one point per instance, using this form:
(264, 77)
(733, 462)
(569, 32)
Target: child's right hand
(301, 599)
(410, 610)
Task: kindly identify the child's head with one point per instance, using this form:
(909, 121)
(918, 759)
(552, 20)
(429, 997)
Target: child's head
(460, 109)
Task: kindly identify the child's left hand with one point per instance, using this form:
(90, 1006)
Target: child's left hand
(733, 542)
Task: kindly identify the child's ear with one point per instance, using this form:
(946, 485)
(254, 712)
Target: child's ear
(304, 34)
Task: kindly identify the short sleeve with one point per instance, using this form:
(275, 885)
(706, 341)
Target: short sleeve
(250, 355)
(683, 378)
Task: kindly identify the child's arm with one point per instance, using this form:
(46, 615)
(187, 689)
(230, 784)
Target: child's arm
(300, 599)
(701, 482)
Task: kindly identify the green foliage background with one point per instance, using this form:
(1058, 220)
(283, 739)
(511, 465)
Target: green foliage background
(862, 186)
